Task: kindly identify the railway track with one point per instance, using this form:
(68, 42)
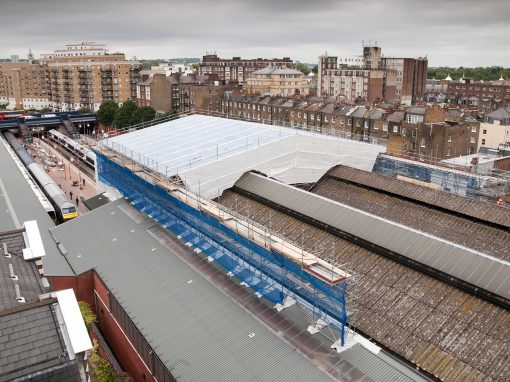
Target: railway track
(83, 166)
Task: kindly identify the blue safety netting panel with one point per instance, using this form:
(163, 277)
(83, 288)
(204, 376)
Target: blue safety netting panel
(460, 184)
(269, 273)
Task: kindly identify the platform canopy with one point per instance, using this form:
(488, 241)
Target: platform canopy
(209, 153)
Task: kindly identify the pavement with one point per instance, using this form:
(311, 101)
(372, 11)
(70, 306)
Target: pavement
(65, 173)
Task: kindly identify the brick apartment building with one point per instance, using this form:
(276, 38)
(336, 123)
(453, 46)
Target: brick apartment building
(237, 69)
(159, 91)
(80, 76)
(430, 134)
(484, 97)
(487, 96)
(277, 81)
(373, 77)
(24, 85)
(206, 96)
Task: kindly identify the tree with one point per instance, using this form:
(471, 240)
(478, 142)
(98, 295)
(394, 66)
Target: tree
(124, 115)
(477, 74)
(144, 114)
(88, 315)
(85, 110)
(106, 112)
(171, 113)
(303, 69)
(315, 69)
(196, 67)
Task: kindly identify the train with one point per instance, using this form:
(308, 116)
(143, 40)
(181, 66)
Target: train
(12, 115)
(84, 153)
(64, 209)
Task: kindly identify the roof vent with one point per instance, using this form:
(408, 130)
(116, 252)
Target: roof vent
(6, 253)
(18, 295)
(11, 273)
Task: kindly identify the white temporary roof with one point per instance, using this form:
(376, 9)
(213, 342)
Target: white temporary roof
(210, 153)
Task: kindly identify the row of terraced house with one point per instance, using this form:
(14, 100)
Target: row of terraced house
(423, 132)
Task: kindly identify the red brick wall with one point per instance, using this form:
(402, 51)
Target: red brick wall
(82, 285)
(88, 287)
(119, 344)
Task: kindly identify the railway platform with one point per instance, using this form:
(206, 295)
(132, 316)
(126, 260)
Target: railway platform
(68, 175)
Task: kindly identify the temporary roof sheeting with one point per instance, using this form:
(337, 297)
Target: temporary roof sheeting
(210, 153)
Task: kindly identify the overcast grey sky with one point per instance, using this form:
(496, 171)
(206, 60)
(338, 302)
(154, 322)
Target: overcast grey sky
(449, 32)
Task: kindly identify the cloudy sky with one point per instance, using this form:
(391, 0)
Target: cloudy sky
(449, 32)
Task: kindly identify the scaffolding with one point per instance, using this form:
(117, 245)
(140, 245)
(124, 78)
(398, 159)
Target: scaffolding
(275, 269)
(481, 186)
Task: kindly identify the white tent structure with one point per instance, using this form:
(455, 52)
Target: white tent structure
(209, 154)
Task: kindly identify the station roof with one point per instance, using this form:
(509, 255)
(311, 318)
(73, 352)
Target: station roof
(472, 266)
(178, 307)
(180, 317)
(209, 153)
(18, 203)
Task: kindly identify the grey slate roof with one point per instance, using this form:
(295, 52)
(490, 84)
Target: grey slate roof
(416, 110)
(359, 112)
(30, 342)
(397, 116)
(328, 108)
(30, 339)
(28, 276)
(18, 203)
(376, 114)
(499, 114)
(198, 331)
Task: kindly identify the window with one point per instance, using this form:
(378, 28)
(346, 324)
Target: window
(349, 122)
(483, 141)
(403, 132)
(449, 138)
(385, 127)
(422, 143)
(395, 129)
(414, 146)
(448, 151)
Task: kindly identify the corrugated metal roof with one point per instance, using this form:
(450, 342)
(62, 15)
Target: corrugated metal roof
(477, 268)
(198, 331)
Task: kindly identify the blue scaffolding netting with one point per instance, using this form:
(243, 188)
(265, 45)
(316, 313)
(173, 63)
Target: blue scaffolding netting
(271, 274)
